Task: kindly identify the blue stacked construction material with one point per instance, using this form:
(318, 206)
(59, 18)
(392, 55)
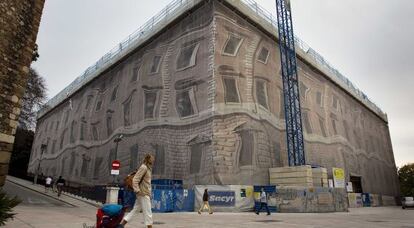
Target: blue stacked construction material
(172, 200)
(162, 200)
(184, 200)
(167, 196)
(270, 191)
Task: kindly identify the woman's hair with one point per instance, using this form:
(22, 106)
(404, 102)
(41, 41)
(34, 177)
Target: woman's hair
(147, 159)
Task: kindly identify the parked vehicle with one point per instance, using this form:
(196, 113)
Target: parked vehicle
(407, 202)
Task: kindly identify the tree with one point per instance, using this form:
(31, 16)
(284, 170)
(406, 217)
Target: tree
(406, 176)
(32, 100)
(20, 158)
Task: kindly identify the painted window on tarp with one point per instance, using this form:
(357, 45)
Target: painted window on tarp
(159, 165)
(53, 147)
(66, 117)
(88, 101)
(247, 148)
(150, 100)
(97, 170)
(114, 93)
(196, 156)
(62, 139)
(346, 129)
(72, 162)
(109, 124)
(263, 55)
(85, 166)
(261, 93)
(306, 121)
(133, 157)
(102, 86)
(187, 56)
(72, 131)
(319, 98)
(98, 105)
(302, 90)
(79, 106)
(230, 90)
(127, 112)
(48, 147)
(322, 125)
(82, 128)
(135, 74)
(95, 133)
(155, 65)
(232, 45)
(334, 127)
(57, 126)
(184, 105)
(357, 138)
(335, 102)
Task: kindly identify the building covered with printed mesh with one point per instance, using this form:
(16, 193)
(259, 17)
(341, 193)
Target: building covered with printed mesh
(201, 89)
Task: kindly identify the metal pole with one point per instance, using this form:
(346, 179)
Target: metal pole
(116, 140)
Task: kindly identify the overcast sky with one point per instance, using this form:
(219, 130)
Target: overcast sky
(369, 41)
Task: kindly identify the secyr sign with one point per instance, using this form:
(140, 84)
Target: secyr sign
(222, 198)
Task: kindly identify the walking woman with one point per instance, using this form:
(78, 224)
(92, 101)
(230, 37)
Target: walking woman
(142, 188)
(205, 203)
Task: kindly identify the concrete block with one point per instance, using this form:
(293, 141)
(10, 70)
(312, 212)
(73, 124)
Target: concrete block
(307, 173)
(290, 169)
(292, 180)
(388, 201)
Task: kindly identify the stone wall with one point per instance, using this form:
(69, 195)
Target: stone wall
(19, 24)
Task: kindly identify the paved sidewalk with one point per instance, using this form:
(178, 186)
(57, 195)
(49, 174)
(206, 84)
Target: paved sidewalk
(65, 197)
(82, 215)
(380, 217)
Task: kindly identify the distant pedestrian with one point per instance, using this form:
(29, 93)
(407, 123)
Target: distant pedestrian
(48, 183)
(205, 203)
(60, 184)
(263, 202)
(142, 187)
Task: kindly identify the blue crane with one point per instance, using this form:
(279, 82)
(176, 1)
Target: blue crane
(294, 132)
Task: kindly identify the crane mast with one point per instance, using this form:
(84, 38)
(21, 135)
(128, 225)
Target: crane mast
(294, 132)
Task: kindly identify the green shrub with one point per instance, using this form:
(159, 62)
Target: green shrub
(6, 205)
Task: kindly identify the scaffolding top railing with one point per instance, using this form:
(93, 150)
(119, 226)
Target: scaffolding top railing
(156, 23)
